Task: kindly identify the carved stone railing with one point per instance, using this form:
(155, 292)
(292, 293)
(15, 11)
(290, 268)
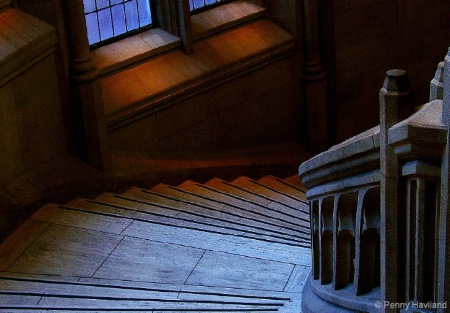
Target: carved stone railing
(378, 206)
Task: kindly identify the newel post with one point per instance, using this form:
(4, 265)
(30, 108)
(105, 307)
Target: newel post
(394, 104)
(437, 84)
(87, 100)
(444, 219)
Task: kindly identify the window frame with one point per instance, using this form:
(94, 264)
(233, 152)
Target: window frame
(173, 17)
(120, 36)
(174, 32)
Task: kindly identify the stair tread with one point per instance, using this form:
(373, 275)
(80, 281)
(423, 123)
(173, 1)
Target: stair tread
(225, 208)
(254, 186)
(259, 211)
(136, 289)
(210, 225)
(284, 187)
(55, 214)
(295, 181)
(216, 214)
(230, 188)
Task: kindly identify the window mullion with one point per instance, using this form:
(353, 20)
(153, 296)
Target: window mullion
(184, 17)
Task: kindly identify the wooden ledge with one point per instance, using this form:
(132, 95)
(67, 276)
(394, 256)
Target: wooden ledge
(134, 93)
(224, 17)
(130, 50)
(23, 41)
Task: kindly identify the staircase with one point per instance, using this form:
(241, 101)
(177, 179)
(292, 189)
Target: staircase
(239, 246)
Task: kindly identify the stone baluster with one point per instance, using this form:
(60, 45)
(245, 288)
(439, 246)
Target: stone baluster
(394, 106)
(437, 84)
(422, 210)
(315, 242)
(344, 240)
(327, 206)
(367, 250)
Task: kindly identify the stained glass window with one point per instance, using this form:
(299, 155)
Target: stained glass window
(108, 19)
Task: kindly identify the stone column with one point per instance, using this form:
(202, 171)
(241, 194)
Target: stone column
(87, 100)
(444, 226)
(314, 87)
(394, 98)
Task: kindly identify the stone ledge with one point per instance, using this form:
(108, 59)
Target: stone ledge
(24, 40)
(354, 156)
(224, 17)
(421, 135)
(133, 49)
(134, 93)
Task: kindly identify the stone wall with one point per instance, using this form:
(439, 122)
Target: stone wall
(32, 130)
(363, 39)
(255, 109)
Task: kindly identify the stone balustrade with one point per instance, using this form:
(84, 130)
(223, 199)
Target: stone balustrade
(378, 221)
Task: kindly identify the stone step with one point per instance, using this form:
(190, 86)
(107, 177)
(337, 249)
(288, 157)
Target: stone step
(284, 187)
(295, 181)
(262, 212)
(118, 206)
(301, 212)
(213, 247)
(213, 213)
(226, 208)
(18, 293)
(261, 189)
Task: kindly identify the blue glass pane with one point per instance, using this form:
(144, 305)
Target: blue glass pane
(209, 2)
(92, 27)
(110, 18)
(105, 21)
(145, 15)
(131, 15)
(101, 4)
(89, 5)
(198, 3)
(118, 16)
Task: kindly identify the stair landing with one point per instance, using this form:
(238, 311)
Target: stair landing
(190, 253)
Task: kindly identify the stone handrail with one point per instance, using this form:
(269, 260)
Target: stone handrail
(378, 209)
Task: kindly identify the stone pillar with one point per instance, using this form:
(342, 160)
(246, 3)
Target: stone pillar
(444, 225)
(314, 87)
(394, 102)
(87, 100)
